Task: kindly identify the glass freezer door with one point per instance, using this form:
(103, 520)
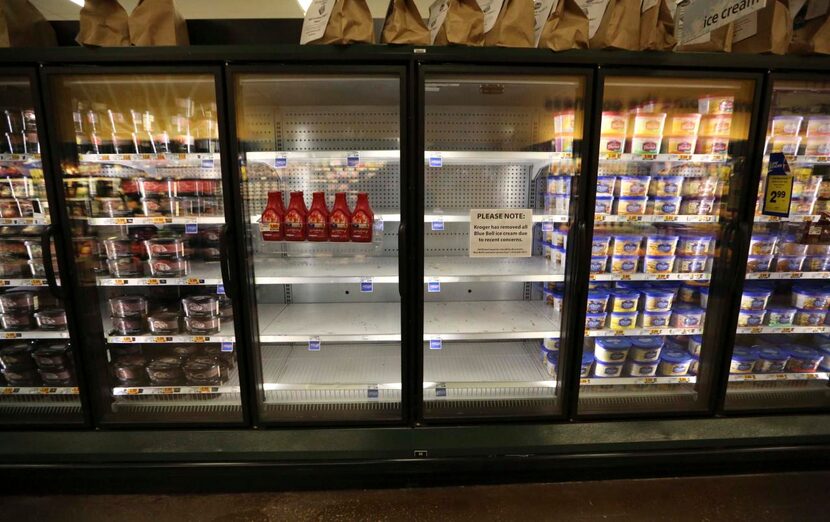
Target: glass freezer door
(501, 160)
(37, 383)
(670, 148)
(142, 188)
(781, 356)
(321, 175)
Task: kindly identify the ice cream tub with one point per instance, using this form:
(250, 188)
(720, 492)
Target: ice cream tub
(605, 185)
(695, 344)
(789, 247)
(645, 349)
(743, 360)
(634, 185)
(600, 245)
(626, 245)
(594, 321)
(685, 316)
(611, 349)
(597, 301)
(674, 363)
(786, 125)
(818, 250)
(664, 206)
(624, 300)
(697, 206)
(785, 144)
(551, 343)
(623, 320)
(691, 264)
(693, 245)
(771, 359)
(818, 126)
(684, 125)
(816, 263)
(712, 145)
(587, 362)
(563, 122)
(657, 299)
(762, 245)
(614, 144)
(809, 317)
(789, 263)
(607, 370)
(758, 264)
(603, 205)
(688, 294)
(631, 206)
(646, 144)
(802, 206)
(563, 143)
(666, 186)
(780, 315)
(700, 187)
(598, 264)
(640, 369)
(655, 319)
(658, 264)
(624, 264)
(810, 299)
(719, 125)
(552, 363)
(649, 124)
(661, 245)
(716, 104)
(751, 317)
(755, 298)
(803, 359)
(680, 144)
(704, 297)
(613, 123)
(817, 146)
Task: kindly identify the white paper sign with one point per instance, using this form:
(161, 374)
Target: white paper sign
(501, 232)
(437, 14)
(698, 17)
(491, 10)
(745, 27)
(815, 9)
(542, 10)
(316, 20)
(594, 10)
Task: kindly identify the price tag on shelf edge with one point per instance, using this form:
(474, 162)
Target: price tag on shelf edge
(314, 344)
(372, 392)
(207, 163)
(281, 161)
(191, 228)
(436, 160)
(353, 159)
(436, 344)
(433, 286)
(438, 225)
(779, 187)
(227, 347)
(547, 226)
(366, 285)
(220, 289)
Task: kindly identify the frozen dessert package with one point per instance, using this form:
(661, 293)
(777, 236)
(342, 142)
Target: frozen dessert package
(508, 23)
(338, 22)
(456, 22)
(157, 23)
(613, 24)
(656, 26)
(103, 24)
(22, 25)
(560, 25)
(718, 40)
(769, 30)
(404, 25)
(811, 27)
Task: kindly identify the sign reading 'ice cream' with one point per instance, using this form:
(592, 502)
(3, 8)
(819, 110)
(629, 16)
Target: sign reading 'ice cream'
(501, 232)
(696, 18)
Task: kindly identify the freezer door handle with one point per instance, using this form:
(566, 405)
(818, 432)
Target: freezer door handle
(46, 256)
(402, 259)
(223, 261)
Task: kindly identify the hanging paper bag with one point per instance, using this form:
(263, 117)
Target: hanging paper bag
(338, 22)
(456, 22)
(22, 25)
(656, 26)
(508, 23)
(560, 25)
(404, 25)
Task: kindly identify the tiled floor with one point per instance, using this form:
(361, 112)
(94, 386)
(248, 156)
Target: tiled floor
(783, 497)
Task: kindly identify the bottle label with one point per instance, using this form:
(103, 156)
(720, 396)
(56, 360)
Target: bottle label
(294, 229)
(361, 226)
(317, 225)
(339, 226)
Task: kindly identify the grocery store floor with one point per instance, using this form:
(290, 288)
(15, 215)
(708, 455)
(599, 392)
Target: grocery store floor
(756, 498)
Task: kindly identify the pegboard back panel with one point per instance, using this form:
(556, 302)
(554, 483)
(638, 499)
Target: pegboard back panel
(342, 127)
(262, 130)
(477, 186)
(485, 128)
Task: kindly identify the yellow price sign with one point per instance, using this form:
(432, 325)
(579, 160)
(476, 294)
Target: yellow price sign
(779, 187)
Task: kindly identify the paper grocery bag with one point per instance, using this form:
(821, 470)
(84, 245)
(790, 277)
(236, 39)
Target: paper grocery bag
(718, 40)
(404, 25)
(769, 30)
(811, 27)
(456, 22)
(338, 22)
(22, 25)
(157, 22)
(513, 26)
(656, 26)
(564, 27)
(612, 24)
(103, 24)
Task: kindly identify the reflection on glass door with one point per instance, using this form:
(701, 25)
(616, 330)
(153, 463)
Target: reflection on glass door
(500, 169)
(670, 148)
(143, 194)
(781, 357)
(38, 379)
(321, 177)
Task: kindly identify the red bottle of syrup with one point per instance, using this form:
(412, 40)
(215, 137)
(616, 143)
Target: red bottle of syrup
(272, 218)
(340, 219)
(318, 218)
(295, 218)
(362, 219)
